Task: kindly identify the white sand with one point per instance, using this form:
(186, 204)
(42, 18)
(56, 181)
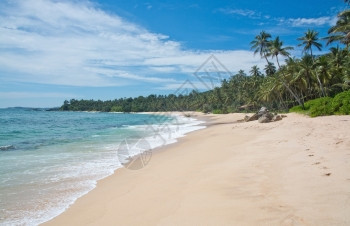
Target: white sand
(291, 172)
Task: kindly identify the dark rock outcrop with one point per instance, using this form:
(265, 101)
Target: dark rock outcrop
(277, 118)
(264, 116)
(251, 118)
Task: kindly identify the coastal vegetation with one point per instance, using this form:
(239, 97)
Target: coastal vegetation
(339, 105)
(314, 84)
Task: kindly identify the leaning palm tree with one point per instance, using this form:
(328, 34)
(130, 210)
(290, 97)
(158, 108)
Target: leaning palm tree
(276, 48)
(261, 44)
(341, 30)
(295, 77)
(309, 40)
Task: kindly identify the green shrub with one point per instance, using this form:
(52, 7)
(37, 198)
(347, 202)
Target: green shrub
(117, 109)
(341, 103)
(297, 109)
(320, 106)
(218, 111)
(231, 109)
(317, 107)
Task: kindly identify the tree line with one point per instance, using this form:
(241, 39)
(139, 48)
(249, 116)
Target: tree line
(278, 86)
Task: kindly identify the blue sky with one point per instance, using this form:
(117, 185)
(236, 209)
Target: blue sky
(105, 49)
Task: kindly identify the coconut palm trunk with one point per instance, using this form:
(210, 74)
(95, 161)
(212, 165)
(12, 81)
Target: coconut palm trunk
(309, 40)
(320, 84)
(300, 102)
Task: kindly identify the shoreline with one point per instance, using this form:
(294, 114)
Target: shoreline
(292, 171)
(67, 183)
(198, 117)
(196, 121)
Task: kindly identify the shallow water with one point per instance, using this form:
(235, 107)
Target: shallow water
(49, 159)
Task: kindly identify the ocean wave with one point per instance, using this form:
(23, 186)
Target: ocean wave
(7, 147)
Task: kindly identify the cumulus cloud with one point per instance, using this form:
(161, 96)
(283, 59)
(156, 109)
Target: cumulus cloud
(76, 43)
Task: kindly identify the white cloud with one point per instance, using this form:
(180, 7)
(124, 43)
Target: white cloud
(189, 62)
(184, 87)
(127, 75)
(29, 95)
(301, 22)
(75, 43)
(240, 12)
(165, 69)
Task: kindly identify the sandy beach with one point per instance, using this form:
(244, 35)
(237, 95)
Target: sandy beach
(290, 172)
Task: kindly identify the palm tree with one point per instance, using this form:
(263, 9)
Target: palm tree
(271, 92)
(295, 78)
(322, 69)
(341, 30)
(305, 70)
(337, 56)
(267, 89)
(270, 69)
(338, 60)
(261, 44)
(309, 40)
(340, 67)
(276, 48)
(255, 71)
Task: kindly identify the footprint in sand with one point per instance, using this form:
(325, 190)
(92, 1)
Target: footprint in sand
(327, 174)
(339, 142)
(311, 155)
(316, 163)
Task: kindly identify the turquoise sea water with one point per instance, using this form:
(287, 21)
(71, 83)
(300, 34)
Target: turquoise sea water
(49, 159)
